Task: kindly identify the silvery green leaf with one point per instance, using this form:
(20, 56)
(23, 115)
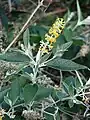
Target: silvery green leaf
(15, 56)
(86, 21)
(70, 16)
(38, 56)
(64, 64)
(88, 82)
(71, 103)
(8, 101)
(79, 12)
(44, 58)
(26, 40)
(61, 49)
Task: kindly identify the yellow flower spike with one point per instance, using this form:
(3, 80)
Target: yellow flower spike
(45, 50)
(52, 35)
(49, 38)
(60, 22)
(50, 47)
(53, 32)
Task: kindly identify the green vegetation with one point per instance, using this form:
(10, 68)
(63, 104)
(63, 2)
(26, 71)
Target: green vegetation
(44, 60)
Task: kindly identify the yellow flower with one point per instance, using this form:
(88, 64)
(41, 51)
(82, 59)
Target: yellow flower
(0, 117)
(49, 38)
(55, 30)
(59, 23)
(52, 35)
(45, 47)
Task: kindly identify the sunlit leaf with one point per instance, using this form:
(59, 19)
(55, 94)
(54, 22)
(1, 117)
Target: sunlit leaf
(14, 56)
(64, 64)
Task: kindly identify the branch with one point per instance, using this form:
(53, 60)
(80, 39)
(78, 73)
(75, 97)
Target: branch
(23, 28)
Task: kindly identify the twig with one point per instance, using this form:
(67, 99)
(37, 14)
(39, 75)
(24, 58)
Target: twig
(79, 78)
(10, 5)
(23, 28)
(34, 4)
(61, 78)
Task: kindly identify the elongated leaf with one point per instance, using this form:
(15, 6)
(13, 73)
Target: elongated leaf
(88, 82)
(29, 92)
(44, 58)
(61, 95)
(8, 101)
(70, 103)
(2, 94)
(64, 64)
(15, 91)
(14, 56)
(86, 21)
(26, 38)
(65, 46)
(79, 12)
(71, 90)
(70, 16)
(62, 48)
(4, 18)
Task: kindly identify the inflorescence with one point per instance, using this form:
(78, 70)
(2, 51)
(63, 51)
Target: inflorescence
(52, 35)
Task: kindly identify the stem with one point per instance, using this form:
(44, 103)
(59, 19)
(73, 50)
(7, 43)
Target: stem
(10, 5)
(79, 78)
(61, 78)
(25, 25)
(35, 71)
(43, 64)
(16, 106)
(75, 27)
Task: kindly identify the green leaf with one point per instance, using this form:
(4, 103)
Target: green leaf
(49, 117)
(26, 38)
(88, 82)
(69, 85)
(86, 21)
(4, 18)
(64, 64)
(77, 84)
(70, 80)
(43, 92)
(14, 56)
(70, 103)
(61, 95)
(50, 113)
(15, 91)
(65, 88)
(79, 12)
(2, 94)
(71, 90)
(65, 46)
(29, 93)
(8, 101)
(68, 34)
(69, 16)
(62, 48)
(44, 58)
